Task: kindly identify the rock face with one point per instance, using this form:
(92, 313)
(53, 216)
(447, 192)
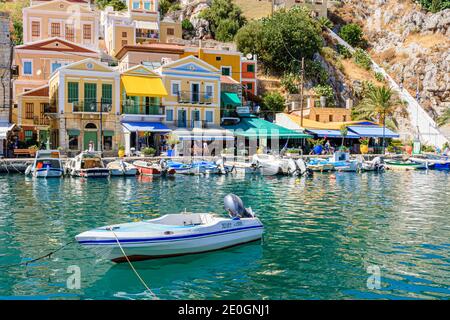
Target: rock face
(190, 9)
(409, 43)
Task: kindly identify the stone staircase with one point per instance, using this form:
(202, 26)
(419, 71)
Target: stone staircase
(421, 123)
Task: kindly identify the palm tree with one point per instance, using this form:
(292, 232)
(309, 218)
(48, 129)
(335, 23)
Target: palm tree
(444, 118)
(344, 131)
(380, 103)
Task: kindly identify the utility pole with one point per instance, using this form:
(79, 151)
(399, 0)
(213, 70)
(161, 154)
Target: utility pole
(302, 81)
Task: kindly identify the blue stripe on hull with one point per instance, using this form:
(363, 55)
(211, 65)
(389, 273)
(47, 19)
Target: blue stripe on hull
(168, 239)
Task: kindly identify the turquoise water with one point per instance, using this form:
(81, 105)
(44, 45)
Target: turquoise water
(322, 234)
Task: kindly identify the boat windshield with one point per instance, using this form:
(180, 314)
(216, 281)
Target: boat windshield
(91, 163)
(48, 163)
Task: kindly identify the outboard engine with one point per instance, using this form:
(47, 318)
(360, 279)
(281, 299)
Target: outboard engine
(301, 166)
(377, 163)
(235, 207)
(292, 167)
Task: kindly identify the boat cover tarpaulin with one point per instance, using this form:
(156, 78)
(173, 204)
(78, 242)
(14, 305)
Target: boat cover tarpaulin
(146, 127)
(373, 131)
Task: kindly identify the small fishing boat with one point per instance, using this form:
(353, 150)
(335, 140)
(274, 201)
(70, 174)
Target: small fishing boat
(376, 164)
(47, 164)
(244, 168)
(341, 162)
(121, 168)
(403, 165)
(434, 162)
(175, 234)
(180, 167)
(148, 168)
(270, 165)
(320, 165)
(88, 164)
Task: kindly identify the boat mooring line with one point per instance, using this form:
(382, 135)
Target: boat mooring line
(132, 267)
(48, 255)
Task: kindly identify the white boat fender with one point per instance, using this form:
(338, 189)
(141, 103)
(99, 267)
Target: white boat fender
(28, 170)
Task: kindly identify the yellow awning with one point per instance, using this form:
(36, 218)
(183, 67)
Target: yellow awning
(143, 86)
(311, 124)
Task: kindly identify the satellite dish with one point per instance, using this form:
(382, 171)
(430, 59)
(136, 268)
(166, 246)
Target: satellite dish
(249, 56)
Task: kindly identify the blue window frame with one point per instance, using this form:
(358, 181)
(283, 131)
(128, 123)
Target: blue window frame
(209, 116)
(147, 5)
(169, 115)
(136, 5)
(55, 66)
(27, 68)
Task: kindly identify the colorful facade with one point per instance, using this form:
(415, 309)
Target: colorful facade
(141, 23)
(85, 99)
(193, 93)
(74, 21)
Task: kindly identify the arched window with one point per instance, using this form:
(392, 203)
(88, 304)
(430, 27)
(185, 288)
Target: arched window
(90, 126)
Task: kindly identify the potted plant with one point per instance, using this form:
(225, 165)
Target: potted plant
(121, 151)
(292, 152)
(409, 147)
(364, 145)
(148, 151)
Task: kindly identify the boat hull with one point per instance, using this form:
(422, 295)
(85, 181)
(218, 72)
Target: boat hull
(92, 173)
(50, 173)
(153, 248)
(404, 167)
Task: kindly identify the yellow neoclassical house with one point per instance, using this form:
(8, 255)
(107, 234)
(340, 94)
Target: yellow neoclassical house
(142, 111)
(85, 99)
(228, 62)
(75, 21)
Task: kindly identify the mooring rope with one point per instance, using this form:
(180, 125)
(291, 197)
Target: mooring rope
(131, 265)
(48, 255)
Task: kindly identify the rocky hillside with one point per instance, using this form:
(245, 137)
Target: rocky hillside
(409, 43)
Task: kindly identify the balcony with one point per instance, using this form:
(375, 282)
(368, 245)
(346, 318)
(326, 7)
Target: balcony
(136, 109)
(91, 106)
(195, 97)
(144, 34)
(41, 121)
(50, 108)
(201, 124)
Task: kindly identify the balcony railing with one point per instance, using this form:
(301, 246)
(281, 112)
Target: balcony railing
(194, 97)
(91, 106)
(142, 109)
(146, 34)
(41, 121)
(191, 124)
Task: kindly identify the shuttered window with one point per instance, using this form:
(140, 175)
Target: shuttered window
(87, 32)
(106, 95)
(55, 29)
(35, 28)
(70, 34)
(90, 96)
(73, 92)
(29, 110)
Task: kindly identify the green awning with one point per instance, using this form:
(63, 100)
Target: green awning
(230, 98)
(253, 127)
(108, 133)
(73, 132)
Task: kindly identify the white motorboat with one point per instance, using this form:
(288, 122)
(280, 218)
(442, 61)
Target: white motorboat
(121, 168)
(341, 162)
(175, 234)
(374, 165)
(47, 164)
(87, 164)
(273, 165)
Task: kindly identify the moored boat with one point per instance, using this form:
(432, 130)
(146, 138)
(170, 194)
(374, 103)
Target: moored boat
(88, 164)
(47, 164)
(320, 165)
(121, 168)
(432, 161)
(148, 168)
(175, 234)
(403, 165)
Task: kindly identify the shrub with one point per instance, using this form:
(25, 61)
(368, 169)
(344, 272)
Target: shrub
(352, 34)
(379, 76)
(148, 151)
(434, 5)
(362, 59)
(343, 51)
(315, 71)
(274, 101)
(290, 83)
(118, 5)
(226, 30)
(187, 25)
(324, 22)
(325, 91)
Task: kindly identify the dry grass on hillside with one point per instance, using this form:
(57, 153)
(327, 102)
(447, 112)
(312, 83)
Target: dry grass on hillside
(354, 72)
(255, 9)
(427, 41)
